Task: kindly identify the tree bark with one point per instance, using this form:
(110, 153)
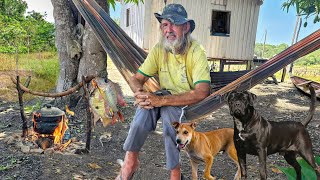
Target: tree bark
(94, 59)
(78, 55)
(65, 24)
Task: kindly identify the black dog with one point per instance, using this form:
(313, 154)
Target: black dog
(256, 136)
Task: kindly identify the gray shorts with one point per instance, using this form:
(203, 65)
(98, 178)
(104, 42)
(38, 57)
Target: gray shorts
(145, 121)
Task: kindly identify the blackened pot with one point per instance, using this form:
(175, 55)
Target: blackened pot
(47, 119)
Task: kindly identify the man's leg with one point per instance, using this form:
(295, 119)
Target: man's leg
(171, 114)
(143, 122)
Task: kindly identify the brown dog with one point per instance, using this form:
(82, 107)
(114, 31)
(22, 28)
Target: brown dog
(203, 146)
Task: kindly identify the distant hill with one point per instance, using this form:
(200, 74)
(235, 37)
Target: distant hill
(271, 50)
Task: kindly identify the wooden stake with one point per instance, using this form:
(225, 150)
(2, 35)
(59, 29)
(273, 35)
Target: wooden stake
(89, 114)
(23, 117)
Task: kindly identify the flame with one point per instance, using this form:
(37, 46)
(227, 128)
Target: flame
(60, 130)
(63, 146)
(69, 111)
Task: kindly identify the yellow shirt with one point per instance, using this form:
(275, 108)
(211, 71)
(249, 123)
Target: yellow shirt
(177, 74)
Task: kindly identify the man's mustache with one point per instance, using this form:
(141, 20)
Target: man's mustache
(171, 34)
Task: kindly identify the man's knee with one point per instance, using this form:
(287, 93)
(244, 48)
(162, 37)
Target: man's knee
(144, 120)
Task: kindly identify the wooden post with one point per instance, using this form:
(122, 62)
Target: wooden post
(23, 117)
(89, 114)
(222, 61)
(294, 39)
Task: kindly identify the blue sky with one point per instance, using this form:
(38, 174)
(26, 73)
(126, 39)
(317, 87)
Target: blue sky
(278, 23)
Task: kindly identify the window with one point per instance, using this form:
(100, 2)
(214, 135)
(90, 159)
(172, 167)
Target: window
(220, 23)
(127, 17)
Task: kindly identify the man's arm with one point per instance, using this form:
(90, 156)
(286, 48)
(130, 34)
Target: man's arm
(137, 81)
(200, 92)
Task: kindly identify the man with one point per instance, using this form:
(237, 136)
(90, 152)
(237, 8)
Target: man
(183, 71)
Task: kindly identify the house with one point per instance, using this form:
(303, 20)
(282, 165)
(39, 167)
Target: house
(226, 28)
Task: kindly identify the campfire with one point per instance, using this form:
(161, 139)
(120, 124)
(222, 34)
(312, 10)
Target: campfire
(49, 134)
(49, 127)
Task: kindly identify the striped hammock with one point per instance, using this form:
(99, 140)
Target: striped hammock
(127, 57)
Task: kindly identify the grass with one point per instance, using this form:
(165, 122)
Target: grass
(12, 164)
(42, 67)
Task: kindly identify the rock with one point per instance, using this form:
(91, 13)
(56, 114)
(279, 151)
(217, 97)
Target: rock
(9, 140)
(37, 150)
(49, 151)
(25, 149)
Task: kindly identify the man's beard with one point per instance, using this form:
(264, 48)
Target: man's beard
(178, 46)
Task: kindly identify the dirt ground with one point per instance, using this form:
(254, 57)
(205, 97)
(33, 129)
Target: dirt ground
(275, 102)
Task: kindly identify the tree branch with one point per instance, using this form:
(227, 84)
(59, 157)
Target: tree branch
(64, 93)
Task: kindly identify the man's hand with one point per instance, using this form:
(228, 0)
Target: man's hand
(148, 100)
(141, 99)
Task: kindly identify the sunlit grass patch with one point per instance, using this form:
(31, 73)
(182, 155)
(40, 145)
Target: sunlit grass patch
(43, 69)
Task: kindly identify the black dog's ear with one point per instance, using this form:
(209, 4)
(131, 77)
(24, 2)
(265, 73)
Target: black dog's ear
(227, 95)
(175, 124)
(252, 98)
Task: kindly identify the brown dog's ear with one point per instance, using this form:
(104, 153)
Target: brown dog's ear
(252, 98)
(193, 125)
(175, 124)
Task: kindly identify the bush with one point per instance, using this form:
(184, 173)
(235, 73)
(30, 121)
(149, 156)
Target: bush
(308, 173)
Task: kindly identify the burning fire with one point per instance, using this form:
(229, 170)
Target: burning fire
(60, 130)
(56, 136)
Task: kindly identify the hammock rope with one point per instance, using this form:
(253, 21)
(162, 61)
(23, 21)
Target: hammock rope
(127, 57)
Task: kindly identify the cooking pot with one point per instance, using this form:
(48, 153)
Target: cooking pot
(47, 119)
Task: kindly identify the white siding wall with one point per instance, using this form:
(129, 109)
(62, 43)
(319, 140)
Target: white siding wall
(243, 26)
(136, 28)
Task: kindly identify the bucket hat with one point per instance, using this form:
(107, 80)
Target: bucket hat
(176, 14)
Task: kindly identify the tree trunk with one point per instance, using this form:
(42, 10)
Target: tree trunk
(65, 24)
(76, 61)
(94, 59)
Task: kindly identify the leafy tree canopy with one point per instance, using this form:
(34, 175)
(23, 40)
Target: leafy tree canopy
(113, 2)
(271, 50)
(29, 33)
(13, 8)
(304, 8)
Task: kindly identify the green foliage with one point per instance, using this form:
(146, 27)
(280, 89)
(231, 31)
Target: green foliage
(271, 50)
(113, 2)
(32, 108)
(12, 164)
(305, 8)
(24, 34)
(268, 51)
(307, 172)
(11, 32)
(13, 8)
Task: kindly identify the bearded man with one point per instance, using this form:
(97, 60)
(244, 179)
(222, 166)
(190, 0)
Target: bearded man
(181, 65)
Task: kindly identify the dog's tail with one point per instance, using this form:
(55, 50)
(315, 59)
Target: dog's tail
(312, 106)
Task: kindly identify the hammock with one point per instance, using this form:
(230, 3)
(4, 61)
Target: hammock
(124, 53)
(127, 57)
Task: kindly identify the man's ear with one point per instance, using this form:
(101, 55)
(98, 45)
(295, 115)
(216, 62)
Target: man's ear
(186, 27)
(175, 124)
